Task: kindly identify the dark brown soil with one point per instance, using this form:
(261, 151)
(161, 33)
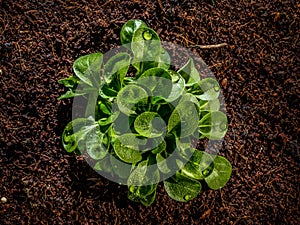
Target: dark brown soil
(258, 69)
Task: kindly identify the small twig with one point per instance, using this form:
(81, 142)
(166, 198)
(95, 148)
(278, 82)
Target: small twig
(106, 3)
(210, 46)
(161, 6)
(186, 40)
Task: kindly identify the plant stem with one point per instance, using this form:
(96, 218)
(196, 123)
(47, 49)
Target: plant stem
(90, 107)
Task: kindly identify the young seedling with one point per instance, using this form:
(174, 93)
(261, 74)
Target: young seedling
(141, 129)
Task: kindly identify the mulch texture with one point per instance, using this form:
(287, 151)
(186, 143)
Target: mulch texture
(258, 70)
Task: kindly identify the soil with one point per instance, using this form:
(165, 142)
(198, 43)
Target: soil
(258, 70)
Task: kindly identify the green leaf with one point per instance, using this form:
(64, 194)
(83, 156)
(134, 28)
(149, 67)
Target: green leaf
(128, 30)
(94, 144)
(70, 82)
(178, 84)
(87, 68)
(159, 147)
(71, 94)
(136, 193)
(220, 174)
(147, 50)
(138, 174)
(162, 164)
(76, 131)
(109, 120)
(207, 89)
(210, 88)
(189, 73)
(142, 183)
(149, 124)
(122, 124)
(158, 81)
(140, 191)
(146, 44)
(128, 147)
(107, 92)
(104, 165)
(91, 106)
(104, 107)
(163, 59)
(165, 110)
(190, 98)
(212, 105)
(144, 175)
(181, 188)
(149, 199)
(129, 96)
(115, 69)
(199, 165)
(184, 119)
(213, 125)
(120, 168)
(184, 143)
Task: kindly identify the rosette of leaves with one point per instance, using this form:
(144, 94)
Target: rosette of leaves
(136, 122)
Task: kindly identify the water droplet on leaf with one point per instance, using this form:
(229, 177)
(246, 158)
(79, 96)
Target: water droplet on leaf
(216, 88)
(187, 197)
(205, 172)
(223, 126)
(147, 35)
(131, 189)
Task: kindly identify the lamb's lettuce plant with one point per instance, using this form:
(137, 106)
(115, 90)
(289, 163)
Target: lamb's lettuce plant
(139, 129)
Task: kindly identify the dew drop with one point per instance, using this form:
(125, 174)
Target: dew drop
(187, 197)
(205, 172)
(223, 126)
(175, 78)
(147, 35)
(131, 189)
(216, 88)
